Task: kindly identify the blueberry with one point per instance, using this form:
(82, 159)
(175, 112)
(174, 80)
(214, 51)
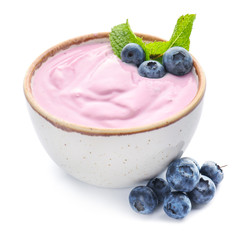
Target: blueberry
(177, 205)
(177, 61)
(160, 187)
(182, 174)
(213, 171)
(143, 200)
(196, 163)
(151, 69)
(133, 53)
(203, 192)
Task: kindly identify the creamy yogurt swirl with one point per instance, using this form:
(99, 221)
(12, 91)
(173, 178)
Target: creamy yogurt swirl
(90, 86)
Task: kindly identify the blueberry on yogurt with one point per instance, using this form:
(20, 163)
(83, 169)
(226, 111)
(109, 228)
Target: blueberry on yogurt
(151, 69)
(177, 61)
(143, 200)
(133, 53)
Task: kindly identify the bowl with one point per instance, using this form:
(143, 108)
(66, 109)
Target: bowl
(113, 158)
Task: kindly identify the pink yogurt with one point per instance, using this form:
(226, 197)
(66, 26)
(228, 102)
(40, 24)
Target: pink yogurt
(90, 86)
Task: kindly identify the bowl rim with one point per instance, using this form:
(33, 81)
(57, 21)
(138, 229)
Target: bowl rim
(72, 127)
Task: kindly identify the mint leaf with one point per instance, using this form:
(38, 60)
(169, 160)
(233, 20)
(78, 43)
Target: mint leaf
(180, 37)
(121, 35)
(182, 31)
(157, 48)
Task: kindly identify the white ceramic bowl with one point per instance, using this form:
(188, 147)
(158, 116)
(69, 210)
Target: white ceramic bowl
(113, 157)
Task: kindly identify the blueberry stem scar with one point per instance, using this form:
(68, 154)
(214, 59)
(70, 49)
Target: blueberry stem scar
(223, 166)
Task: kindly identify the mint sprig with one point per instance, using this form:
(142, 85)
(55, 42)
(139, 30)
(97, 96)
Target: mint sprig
(182, 31)
(157, 48)
(122, 34)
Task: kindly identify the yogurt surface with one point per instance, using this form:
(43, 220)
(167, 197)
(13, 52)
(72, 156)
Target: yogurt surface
(90, 86)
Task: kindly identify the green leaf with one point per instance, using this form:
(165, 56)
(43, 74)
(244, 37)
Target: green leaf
(182, 31)
(157, 48)
(180, 37)
(121, 35)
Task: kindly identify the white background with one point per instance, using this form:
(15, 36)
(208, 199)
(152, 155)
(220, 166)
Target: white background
(39, 201)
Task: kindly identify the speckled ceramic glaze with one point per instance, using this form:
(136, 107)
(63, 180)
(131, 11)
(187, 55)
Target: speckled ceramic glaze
(113, 157)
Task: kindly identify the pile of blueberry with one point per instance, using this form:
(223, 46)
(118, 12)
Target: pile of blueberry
(186, 184)
(176, 60)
